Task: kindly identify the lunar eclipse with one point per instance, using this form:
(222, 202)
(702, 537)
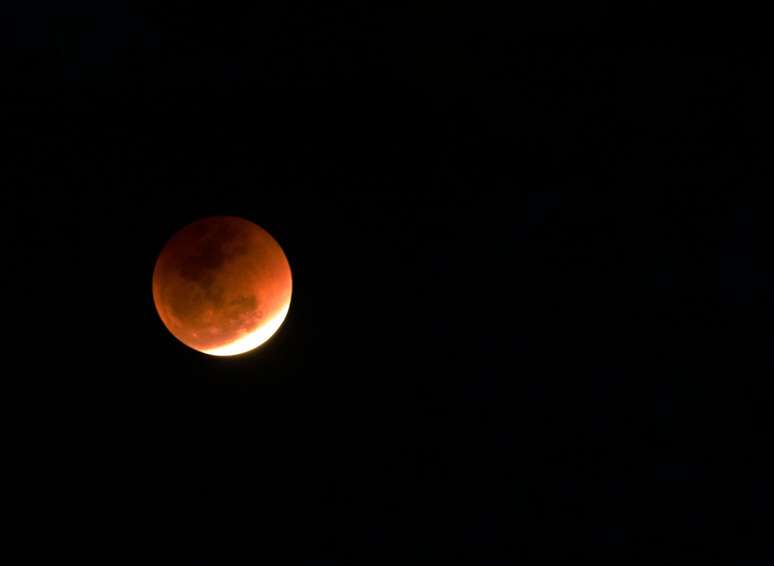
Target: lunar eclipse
(222, 285)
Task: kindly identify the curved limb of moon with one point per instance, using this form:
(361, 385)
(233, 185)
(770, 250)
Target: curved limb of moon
(253, 339)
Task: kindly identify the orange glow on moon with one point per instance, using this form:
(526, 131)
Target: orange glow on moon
(222, 285)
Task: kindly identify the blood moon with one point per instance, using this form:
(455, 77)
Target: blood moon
(222, 285)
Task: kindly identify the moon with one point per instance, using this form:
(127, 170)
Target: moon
(222, 285)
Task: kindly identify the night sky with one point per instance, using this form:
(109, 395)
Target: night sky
(531, 315)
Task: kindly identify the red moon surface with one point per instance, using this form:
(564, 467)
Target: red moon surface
(222, 285)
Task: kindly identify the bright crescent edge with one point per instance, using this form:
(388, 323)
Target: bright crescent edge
(254, 339)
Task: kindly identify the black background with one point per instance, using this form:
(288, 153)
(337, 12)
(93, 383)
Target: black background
(530, 318)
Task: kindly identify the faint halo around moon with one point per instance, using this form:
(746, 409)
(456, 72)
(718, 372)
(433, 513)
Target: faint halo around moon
(222, 285)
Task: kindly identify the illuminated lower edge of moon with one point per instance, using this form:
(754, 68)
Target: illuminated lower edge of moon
(253, 339)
